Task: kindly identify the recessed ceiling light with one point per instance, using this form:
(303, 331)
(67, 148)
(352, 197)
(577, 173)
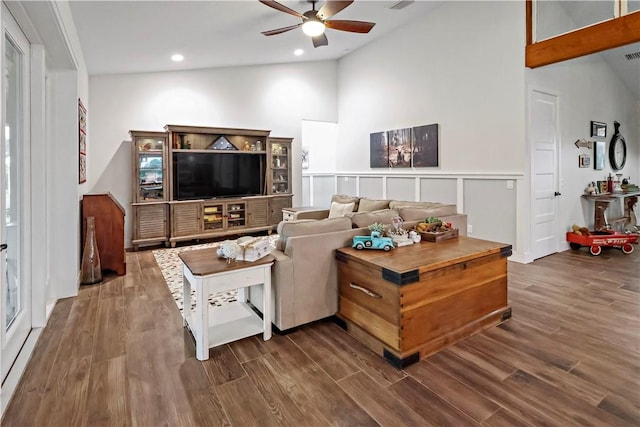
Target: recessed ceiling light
(298, 52)
(177, 57)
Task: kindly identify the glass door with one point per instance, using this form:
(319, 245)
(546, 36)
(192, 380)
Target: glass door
(14, 143)
(150, 179)
(280, 153)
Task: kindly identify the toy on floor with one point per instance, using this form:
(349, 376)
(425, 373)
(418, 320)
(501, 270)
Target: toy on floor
(595, 240)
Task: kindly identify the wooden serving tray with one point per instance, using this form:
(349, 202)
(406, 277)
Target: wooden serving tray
(438, 237)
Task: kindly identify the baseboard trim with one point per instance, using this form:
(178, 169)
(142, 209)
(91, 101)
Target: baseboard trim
(10, 383)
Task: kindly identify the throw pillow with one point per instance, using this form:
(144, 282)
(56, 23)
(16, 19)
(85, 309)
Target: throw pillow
(370, 205)
(340, 209)
(343, 198)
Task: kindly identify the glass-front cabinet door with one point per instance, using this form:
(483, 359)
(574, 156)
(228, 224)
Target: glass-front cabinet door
(150, 166)
(279, 152)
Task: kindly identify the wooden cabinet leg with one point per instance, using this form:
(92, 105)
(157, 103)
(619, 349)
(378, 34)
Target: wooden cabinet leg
(600, 220)
(173, 244)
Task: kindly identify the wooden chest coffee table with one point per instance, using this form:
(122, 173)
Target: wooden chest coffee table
(413, 301)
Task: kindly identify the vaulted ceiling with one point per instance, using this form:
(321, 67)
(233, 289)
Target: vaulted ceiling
(140, 36)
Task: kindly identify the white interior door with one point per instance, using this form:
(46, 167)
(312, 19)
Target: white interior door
(15, 316)
(544, 137)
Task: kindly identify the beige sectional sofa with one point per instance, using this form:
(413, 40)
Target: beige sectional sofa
(304, 275)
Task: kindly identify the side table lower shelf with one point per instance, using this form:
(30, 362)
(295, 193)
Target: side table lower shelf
(213, 326)
(231, 322)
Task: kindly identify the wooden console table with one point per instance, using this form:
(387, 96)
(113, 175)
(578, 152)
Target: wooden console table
(602, 202)
(109, 220)
(413, 301)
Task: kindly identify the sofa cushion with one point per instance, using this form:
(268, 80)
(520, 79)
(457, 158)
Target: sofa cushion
(397, 204)
(307, 227)
(343, 198)
(370, 205)
(420, 214)
(340, 209)
(365, 219)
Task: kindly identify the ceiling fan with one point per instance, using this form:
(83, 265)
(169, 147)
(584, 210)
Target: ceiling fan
(314, 22)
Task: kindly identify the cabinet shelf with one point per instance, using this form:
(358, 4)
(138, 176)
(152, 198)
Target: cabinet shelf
(195, 150)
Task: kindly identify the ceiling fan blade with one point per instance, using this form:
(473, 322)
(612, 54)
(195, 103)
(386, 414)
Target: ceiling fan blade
(352, 26)
(330, 8)
(281, 8)
(280, 30)
(320, 40)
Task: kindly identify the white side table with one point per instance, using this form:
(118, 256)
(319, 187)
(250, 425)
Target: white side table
(207, 274)
(309, 212)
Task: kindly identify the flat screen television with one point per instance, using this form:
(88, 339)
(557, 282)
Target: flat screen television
(222, 174)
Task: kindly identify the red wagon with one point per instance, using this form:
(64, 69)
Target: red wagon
(598, 239)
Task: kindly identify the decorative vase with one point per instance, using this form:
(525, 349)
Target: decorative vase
(91, 272)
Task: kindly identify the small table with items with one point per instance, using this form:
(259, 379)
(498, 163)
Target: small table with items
(625, 216)
(208, 274)
(290, 214)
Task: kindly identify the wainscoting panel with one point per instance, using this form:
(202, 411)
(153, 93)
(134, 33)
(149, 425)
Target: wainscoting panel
(323, 187)
(401, 188)
(438, 190)
(306, 191)
(347, 184)
(372, 187)
(491, 209)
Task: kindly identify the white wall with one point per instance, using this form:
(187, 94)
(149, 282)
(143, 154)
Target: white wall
(320, 138)
(275, 97)
(588, 90)
(454, 66)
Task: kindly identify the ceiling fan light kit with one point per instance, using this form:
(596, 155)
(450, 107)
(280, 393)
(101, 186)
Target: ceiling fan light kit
(313, 27)
(315, 22)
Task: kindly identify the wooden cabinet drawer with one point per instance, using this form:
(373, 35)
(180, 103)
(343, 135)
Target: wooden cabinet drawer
(369, 290)
(151, 222)
(185, 219)
(378, 327)
(427, 323)
(258, 212)
(438, 284)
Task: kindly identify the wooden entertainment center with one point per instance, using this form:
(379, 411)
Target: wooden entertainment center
(193, 182)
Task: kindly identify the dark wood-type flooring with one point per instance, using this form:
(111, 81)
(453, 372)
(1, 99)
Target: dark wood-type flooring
(118, 355)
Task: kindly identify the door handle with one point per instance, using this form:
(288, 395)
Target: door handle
(557, 193)
(3, 247)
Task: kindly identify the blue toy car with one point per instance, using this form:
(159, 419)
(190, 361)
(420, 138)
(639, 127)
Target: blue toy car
(374, 241)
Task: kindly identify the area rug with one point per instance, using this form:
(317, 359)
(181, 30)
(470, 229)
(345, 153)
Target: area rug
(171, 267)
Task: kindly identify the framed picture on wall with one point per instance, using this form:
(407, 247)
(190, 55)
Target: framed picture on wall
(425, 146)
(378, 150)
(598, 129)
(598, 155)
(400, 148)
(82, 138)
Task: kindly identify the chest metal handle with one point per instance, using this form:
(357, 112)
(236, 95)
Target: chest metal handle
(365, 291)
